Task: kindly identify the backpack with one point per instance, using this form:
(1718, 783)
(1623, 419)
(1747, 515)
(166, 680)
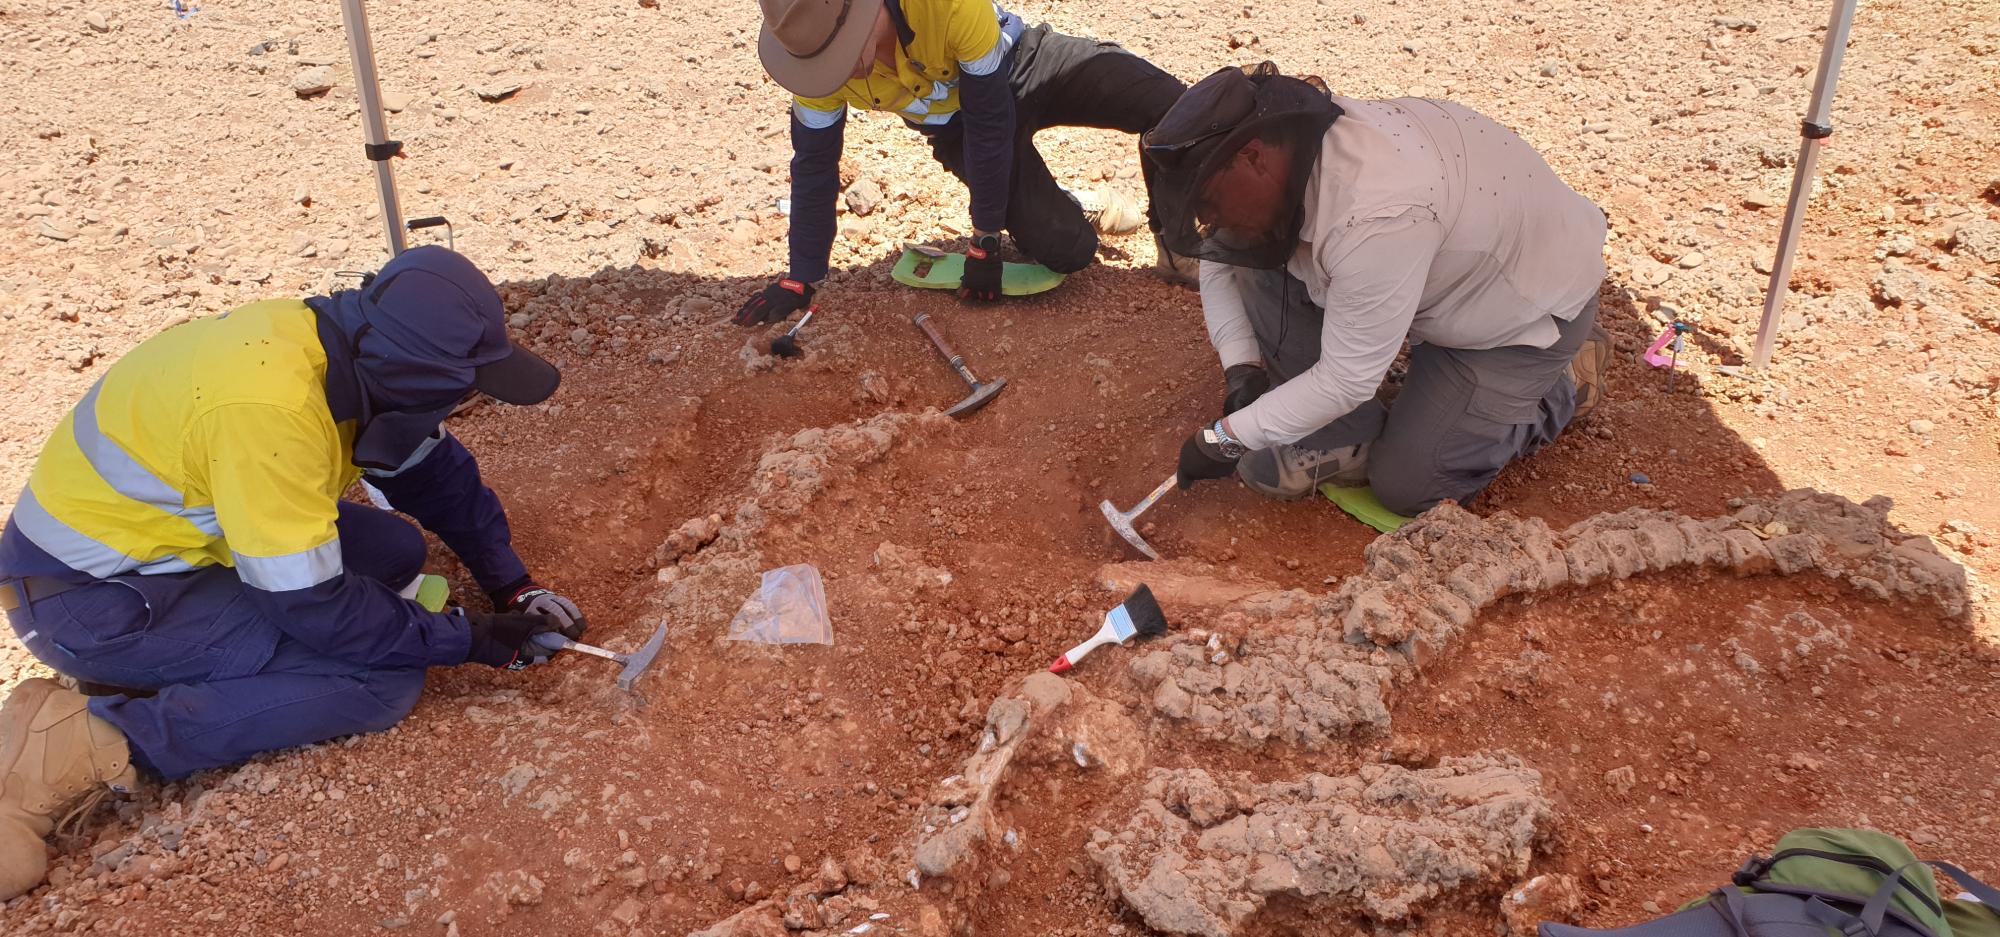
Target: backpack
(1828, 883)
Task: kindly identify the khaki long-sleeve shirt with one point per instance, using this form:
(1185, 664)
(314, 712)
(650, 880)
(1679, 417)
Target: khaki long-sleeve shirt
(1423, 221)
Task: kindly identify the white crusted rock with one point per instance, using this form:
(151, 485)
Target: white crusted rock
(1206, 854)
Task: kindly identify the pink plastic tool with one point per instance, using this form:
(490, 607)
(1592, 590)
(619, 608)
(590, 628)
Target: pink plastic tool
(1671, 342)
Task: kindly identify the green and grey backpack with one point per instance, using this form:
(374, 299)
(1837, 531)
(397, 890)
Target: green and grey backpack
(1829, 883)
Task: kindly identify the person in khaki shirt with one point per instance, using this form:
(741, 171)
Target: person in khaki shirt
(1330, 232)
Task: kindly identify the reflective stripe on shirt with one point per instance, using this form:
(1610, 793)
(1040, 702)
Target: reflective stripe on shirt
(1010, 30)
(301, 570)
(919, 109)
(77, 551)
(124, 474)
(817, 120)
(416, 458)
(210, 439)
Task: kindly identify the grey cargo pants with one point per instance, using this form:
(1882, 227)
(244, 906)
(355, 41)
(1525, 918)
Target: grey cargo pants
(1461, 416)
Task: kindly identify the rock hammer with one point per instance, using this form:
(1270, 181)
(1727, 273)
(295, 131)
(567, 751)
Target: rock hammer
(636, 663)
(982, 392)
(1122, 521)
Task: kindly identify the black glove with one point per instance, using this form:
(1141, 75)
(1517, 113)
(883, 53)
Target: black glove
(502, 638)
(1247, 382)
(981, 280)
(776, 303)
(1201, 461)
(525, 596)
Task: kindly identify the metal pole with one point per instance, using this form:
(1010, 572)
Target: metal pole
(1813, 132)
(374, 126)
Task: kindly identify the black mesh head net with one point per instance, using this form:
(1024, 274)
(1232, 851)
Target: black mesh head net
(1201, 136)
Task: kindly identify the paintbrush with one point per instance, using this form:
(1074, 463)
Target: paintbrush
(1137, 617)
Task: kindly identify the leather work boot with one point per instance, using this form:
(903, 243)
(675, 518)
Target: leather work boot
(1110, 211)
(1587, 371)
(53, 753)
(1175, 269)
(1292, 472)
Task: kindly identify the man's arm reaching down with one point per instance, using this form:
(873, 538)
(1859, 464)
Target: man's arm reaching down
(1228, 324)
(440, 487)
(818, 136)
(986, 104)
(1374, 285)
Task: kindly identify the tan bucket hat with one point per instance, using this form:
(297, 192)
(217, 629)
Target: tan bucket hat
(811, 46)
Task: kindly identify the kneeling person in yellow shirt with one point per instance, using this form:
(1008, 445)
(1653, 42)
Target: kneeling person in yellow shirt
(181, 547)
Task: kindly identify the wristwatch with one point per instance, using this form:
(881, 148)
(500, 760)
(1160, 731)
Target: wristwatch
(1223, 442)
(983, 246)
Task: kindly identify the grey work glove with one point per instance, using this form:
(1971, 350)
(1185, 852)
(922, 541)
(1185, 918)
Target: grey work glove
(526, 596)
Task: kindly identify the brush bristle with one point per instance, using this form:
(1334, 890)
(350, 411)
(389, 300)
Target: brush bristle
(786, 347)
(1147, 619)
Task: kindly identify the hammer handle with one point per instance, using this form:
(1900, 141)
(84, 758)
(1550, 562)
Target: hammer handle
(1147, 502)
(556, 642)
(952, 357)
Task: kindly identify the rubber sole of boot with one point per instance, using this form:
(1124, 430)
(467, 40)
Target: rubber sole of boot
(24, 861)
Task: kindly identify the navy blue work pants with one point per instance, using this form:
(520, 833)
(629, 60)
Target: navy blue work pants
(1062, 81)
(225, 682)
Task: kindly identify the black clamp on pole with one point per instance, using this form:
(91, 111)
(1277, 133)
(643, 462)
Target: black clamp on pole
(418, 224)
(1812, 131)
(380, 152)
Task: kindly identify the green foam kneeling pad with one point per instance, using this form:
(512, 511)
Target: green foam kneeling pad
(938, 270)
(1360, 504)
(432, 591)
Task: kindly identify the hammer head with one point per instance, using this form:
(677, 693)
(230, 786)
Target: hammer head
(638, 661)
(1122, 523)
(982, 394)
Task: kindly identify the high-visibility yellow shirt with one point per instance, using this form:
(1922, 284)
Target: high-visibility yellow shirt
(210, 443)
(950, 35)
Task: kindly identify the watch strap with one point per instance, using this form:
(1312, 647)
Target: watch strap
(1231, 446)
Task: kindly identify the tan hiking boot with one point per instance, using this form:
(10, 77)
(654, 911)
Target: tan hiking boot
(1588, 371)
(1175, 269)
(53, 754)
(1110, 211)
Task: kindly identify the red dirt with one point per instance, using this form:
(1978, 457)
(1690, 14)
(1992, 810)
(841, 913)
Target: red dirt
(739, 758)
(1890, 727)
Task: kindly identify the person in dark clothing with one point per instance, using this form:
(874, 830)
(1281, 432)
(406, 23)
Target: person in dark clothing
(181, 549)
(979, 84)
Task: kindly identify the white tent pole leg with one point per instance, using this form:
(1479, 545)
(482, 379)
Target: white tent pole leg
(380, 149)
(1812, 135)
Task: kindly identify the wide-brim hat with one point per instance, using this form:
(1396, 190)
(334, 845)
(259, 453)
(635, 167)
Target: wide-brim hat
(811, 46)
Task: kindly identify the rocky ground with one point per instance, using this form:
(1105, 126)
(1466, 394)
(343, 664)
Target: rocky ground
(1603, 735)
